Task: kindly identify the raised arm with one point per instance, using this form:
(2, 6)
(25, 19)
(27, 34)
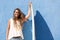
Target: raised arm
(29, 11)
(7, 30)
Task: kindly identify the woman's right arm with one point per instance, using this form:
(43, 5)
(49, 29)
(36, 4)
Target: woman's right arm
(7, 30)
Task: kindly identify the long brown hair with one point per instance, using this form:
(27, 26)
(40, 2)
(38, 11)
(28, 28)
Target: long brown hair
(21, 16)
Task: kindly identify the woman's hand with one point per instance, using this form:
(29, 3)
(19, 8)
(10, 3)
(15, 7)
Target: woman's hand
(29, 4)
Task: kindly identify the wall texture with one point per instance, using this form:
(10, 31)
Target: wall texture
(48, 12)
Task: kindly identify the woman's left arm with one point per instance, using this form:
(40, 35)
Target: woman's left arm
(29, 11)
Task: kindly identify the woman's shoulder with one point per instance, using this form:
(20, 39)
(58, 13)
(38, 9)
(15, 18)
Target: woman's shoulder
(10, 19)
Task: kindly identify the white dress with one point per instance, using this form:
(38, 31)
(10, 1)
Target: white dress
(13, 32)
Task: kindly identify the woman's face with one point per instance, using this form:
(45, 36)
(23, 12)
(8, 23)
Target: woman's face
(16, 13)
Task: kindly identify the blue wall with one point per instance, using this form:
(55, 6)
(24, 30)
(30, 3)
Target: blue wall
(49, 12)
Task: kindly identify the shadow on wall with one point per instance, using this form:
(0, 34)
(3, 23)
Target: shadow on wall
(41, 28)
(27, 27)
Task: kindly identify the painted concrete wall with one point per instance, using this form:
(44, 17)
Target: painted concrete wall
(47, 10)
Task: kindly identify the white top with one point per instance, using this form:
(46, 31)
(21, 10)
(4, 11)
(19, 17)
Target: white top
(15, 30)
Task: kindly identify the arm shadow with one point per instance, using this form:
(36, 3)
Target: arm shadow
(27, 30)
(42, 30)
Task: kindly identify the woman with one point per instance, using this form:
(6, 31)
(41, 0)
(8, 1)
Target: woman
(14, 29)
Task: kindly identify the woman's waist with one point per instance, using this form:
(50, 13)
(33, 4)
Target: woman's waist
(15, 30)
(17, 37)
